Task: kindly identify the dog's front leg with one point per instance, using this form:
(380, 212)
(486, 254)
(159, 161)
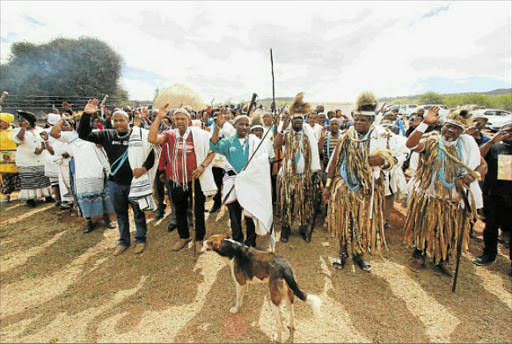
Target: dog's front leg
(240, 292)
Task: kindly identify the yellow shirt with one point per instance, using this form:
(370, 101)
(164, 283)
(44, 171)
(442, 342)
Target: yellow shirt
(8, 152)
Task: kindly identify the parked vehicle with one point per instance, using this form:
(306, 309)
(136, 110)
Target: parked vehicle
(495, 118)
(407, 109)
(443, 111)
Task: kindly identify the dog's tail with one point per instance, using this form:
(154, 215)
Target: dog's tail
(313, 300)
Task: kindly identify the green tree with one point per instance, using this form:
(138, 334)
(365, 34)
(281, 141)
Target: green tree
(62, 67)
(430, 98)
(400, 101)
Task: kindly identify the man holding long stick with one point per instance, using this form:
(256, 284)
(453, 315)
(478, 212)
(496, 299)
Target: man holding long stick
(247, 185)
(436, 220)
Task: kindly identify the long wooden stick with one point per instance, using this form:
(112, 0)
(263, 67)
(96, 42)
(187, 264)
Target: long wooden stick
(194, 218)
(273, 86)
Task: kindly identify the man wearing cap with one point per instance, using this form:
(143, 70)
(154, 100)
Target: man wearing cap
(8, 169)
(249, 192)
(497, 192)
(475, 129)
(32, 141)
(449, 164)
(355, 186)
(188, 161)
(116, 144)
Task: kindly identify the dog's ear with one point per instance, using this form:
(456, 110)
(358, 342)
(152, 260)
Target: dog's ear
(226, 236)
(216, 245)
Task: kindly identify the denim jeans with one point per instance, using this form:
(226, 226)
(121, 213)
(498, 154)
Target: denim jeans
(119, 196)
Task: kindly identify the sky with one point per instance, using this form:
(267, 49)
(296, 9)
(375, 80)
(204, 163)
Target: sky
(332, 51)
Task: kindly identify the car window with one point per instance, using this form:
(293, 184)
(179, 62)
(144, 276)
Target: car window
(490, 113)
(503, 113)
(412, 106)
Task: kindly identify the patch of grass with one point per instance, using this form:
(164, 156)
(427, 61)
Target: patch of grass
(26, 330)
(30, 274)
(6, 257)
(53, 339)
(95, 293)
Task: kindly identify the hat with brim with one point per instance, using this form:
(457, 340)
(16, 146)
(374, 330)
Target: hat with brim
(26, 116)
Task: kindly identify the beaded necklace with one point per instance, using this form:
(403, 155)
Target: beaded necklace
(441, 156)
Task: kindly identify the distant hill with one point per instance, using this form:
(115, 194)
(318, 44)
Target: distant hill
(493, 93)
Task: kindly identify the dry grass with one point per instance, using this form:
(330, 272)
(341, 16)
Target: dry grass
(59, 285)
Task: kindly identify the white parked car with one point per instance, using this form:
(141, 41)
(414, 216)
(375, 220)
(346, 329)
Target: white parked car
(407, 109)
(495, 118)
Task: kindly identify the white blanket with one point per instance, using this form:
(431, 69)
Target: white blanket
(141, 189)
(253, 188)
(201, 140)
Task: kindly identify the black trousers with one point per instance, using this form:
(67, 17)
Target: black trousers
(160, 190)
(498, 213)
(218, 174)
(181, 198)
(235, 216)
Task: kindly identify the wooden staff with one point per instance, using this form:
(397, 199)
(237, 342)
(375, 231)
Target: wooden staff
(194, 218)
(467, 208)
(273, 86)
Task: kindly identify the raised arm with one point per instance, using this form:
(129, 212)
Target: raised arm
(84, 129)
(57, 129)
(278, 140)
(221, 119)
(413, 141)
(154, 136)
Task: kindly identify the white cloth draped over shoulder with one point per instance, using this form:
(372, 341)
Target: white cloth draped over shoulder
(201, 139)
(139, 148)
(253, 188)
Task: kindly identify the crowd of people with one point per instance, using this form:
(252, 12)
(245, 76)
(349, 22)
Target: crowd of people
(297, 163)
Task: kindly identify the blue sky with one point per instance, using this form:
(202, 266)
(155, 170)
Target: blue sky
(330, 50)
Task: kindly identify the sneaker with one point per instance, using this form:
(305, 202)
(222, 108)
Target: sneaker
(483, 260)
(139, 247)
(6, 200)
(119, 249)
(180, 244)
(108, 223)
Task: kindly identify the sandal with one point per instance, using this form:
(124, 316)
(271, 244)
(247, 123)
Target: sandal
(363, 264)
(339, 263)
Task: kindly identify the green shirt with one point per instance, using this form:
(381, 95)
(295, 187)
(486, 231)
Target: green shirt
(233, 151)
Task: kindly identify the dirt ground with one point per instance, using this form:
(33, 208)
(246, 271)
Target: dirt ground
(60, 285)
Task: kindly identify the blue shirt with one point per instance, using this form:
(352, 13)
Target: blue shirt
(231, 148)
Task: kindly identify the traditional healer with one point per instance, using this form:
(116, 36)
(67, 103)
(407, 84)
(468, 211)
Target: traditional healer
(355, 186)
(449, 164)
(301, 164)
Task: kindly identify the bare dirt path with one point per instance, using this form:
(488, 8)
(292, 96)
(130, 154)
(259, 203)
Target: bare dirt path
(59, 285)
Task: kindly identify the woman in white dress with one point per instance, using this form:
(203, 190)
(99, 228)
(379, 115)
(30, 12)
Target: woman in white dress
(31, 141)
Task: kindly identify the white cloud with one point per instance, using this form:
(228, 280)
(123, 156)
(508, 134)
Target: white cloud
(331, 50)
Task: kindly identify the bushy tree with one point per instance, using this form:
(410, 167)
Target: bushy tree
(62, 67)
(430, 98)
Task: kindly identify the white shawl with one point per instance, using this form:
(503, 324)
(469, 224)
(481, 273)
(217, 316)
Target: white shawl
(201, 139)
(139, 148)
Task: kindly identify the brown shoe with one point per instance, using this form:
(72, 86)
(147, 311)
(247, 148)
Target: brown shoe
(180, 244)
(417, 264)
(445, 269)
(119, 249)
(139, 247)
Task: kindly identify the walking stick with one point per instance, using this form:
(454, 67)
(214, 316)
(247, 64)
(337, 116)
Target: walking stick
(273, 86)
(467, 208)
(194, 218)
